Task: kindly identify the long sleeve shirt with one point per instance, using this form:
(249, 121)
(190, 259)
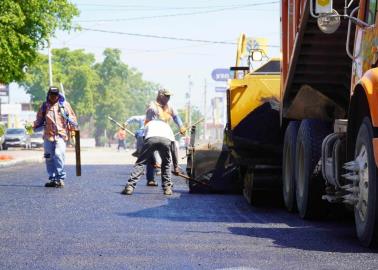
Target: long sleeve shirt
(55, 124)
(164, 113)
(139, 119)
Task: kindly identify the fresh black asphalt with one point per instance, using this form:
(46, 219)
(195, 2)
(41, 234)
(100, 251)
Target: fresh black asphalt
(89, 225)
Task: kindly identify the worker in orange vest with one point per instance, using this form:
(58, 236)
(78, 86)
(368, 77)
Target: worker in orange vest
(121, 137)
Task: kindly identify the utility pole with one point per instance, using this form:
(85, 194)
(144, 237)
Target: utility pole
(190, 84)
(50, 64)
(204, 109)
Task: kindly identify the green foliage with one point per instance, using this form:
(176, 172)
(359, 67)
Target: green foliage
(25, 27)
(2, 129)
(122, 90)
(73, 70)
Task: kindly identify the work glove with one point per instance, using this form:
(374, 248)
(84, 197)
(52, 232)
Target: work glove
(182, 130)
(176, 171)
(29, 128)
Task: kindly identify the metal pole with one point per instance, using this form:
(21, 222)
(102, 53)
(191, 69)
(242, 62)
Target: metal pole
(50, 64)
(205, 110)
(62, 89)
(189, 104)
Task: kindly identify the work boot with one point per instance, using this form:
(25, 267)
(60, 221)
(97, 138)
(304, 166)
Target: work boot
(152, 183)
(60, 184)
(168, 191)
(135, 154)
(128, 190)
(52, 183)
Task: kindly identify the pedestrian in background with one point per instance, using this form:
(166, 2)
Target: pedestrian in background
(58, 120)
(121, 137)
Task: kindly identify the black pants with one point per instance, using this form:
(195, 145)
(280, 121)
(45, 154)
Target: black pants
(162, 145)
(121, 143)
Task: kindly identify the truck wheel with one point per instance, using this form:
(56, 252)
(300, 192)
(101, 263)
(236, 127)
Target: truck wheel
(308, 189)
(288, 162)
(366, 208)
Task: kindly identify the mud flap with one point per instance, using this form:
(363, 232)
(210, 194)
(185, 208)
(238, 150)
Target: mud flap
(77, 152)
(216, 170)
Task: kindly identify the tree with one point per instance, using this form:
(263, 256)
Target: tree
(122, 90)
(25, 27)
(73, 70)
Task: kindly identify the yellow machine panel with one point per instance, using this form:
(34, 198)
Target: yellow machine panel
(252, 91)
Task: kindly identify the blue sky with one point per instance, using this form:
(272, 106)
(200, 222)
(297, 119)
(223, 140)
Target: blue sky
(170, 62)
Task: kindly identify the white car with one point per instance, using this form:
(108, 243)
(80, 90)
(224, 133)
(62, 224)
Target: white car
(36, 139)
(16, 137)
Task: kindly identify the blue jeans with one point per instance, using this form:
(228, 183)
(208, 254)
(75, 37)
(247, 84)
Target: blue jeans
(55, 158)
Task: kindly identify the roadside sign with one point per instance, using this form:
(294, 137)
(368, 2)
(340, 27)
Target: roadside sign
(220, 89)
(220, 74)
(4, 90)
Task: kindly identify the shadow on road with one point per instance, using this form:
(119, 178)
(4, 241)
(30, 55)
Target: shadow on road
(328, 239)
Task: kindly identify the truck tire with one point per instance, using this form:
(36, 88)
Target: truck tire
(248, 186)
(288, 166)
(309, 189)
(366, 209)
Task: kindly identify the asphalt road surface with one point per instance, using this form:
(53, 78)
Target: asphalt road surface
(89, 225)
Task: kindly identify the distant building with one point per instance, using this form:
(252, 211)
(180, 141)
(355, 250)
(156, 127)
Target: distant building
(15, 106)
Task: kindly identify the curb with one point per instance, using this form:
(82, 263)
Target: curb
(15, 162)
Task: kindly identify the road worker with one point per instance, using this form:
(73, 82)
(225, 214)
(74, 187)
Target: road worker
(160, 109)
(158, 136)
(58, 120)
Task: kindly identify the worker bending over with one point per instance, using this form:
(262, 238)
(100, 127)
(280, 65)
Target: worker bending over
(158, 137)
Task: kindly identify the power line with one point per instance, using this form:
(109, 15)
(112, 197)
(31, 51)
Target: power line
(166, 37)
(156, 8)
(160, 37)
(181, 14)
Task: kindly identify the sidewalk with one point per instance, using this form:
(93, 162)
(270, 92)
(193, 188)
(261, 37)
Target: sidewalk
(20, 156)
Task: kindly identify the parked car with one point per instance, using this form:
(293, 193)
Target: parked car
(1, 141)
(36, 139)
(16, 137)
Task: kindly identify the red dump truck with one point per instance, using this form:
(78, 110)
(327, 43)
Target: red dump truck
(329, 109)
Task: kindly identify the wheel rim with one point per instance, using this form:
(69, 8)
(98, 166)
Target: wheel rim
(363, 184)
